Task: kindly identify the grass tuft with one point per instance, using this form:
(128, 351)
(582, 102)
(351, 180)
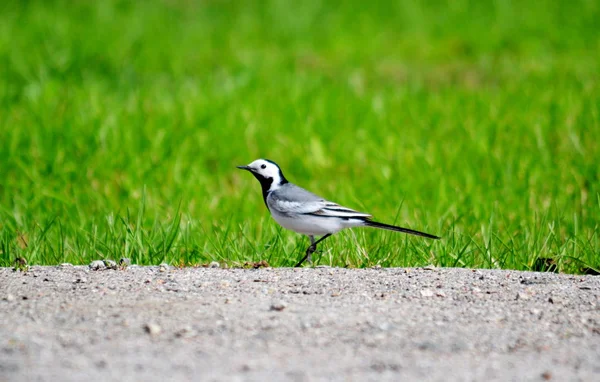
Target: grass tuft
(121, 124)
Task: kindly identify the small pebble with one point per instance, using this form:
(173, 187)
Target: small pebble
(9, 298)
(214, 264)
(110, 264)
(278, 306)
(184, 332)
(66, 265)
(522, 296)
(152, 329)
(427, 293)
(428, 345)
(163, 267)
(96, 265)
(125, 261)
(535, 312)
(554, 300)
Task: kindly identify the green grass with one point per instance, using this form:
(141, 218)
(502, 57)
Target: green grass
(121, 123)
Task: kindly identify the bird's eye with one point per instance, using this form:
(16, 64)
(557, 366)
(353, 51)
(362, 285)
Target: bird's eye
(263, 166)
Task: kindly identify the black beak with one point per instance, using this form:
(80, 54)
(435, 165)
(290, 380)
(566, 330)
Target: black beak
(244, 168)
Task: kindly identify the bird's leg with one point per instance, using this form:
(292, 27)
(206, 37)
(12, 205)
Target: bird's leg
(311, 248)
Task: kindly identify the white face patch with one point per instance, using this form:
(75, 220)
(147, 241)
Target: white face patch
(266, 169)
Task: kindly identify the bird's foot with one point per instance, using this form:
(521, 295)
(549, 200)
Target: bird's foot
(309, 251)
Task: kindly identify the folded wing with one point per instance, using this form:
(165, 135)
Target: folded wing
(331, 209)
(296, 200)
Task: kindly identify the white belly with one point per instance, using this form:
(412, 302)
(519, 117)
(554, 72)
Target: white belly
(314, 225)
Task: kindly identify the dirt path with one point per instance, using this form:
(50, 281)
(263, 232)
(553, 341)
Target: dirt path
(70, 323)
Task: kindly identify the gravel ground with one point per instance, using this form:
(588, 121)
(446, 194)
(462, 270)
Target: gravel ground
(147, 323)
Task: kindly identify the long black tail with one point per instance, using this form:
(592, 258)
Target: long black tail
(371, 223)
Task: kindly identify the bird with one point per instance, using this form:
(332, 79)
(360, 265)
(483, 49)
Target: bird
(303, 212)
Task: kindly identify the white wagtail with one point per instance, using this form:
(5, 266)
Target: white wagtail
(302, 211)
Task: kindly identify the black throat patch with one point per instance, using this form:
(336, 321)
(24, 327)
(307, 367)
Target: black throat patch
(265, 184)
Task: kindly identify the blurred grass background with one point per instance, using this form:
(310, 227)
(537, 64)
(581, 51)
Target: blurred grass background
(121, 123)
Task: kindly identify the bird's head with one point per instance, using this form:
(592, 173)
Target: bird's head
(267, 172)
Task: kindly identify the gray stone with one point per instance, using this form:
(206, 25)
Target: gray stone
(152, 329)
(97, 265)
(110, 264)
(278, 306)
(125, 261)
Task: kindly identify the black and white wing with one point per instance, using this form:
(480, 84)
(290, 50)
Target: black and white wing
(293, 200)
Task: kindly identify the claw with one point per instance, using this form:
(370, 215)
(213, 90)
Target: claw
(312, 248)
(309, 251)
